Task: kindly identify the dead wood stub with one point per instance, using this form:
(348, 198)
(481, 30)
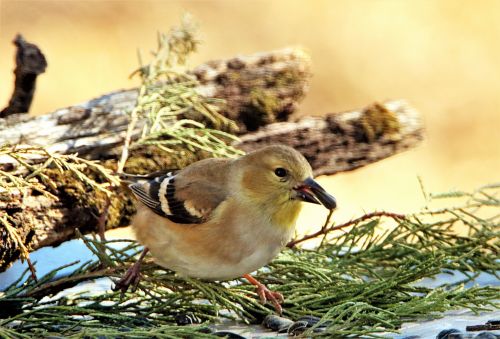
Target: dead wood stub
(30, 62)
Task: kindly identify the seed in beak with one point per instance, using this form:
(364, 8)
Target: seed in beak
(311, 191)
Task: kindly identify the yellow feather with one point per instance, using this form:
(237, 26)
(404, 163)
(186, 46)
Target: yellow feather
(286, 215)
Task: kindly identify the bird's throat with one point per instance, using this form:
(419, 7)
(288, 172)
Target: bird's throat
(286, 215)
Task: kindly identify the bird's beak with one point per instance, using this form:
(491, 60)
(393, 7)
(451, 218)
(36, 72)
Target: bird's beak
(310, 191)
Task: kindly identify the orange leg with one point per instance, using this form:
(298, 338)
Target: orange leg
(132, 276)
(266, 294)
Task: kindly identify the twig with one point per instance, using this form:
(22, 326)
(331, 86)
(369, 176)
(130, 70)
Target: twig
(32, 269)
(101, 220)
(128, 138)
(325, 230)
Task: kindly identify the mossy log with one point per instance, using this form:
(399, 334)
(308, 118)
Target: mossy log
(341, 142)
(261, 91)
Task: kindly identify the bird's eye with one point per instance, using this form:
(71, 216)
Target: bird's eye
(280, 172)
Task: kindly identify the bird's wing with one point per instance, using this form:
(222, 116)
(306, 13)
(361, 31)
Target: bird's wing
(188, 196)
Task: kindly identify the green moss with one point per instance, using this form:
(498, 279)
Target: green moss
(255, 100)
(85, 204)
(377, 120)
(146, 159)
(287, 78)
(261, 109)
(265, 103)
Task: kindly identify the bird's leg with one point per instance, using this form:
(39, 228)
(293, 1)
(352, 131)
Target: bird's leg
(266, 294)
(132, 276)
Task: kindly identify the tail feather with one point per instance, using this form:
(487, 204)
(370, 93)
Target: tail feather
(137, 178)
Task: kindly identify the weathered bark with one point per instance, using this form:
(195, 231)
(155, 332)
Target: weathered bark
(266, 86)
(30, 62)
(340, 142)
(332, 143)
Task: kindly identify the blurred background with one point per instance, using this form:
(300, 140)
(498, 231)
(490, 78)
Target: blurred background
(441, 56)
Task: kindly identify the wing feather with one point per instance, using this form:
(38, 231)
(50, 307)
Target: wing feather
(188, 196)
(144, 197)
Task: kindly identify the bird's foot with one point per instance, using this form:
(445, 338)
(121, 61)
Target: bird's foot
(265, 294)
(132, 276)
(276, 298)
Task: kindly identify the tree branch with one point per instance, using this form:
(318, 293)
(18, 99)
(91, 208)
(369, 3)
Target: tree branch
(325, 230)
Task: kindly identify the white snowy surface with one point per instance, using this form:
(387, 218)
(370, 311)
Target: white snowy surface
(49, 258)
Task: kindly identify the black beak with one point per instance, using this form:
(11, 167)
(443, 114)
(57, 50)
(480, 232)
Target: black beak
(311, 191)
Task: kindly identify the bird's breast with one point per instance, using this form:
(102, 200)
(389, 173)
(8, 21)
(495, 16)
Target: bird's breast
(236, 241)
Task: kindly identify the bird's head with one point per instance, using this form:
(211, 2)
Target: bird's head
(280, 175)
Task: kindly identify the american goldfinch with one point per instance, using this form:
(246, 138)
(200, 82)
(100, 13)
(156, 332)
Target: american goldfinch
(219, 219)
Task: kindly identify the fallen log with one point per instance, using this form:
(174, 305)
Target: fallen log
(266, 86)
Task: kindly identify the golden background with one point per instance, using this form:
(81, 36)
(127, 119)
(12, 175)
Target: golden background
(442, 56)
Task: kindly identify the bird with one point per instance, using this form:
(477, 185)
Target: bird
(223, 218)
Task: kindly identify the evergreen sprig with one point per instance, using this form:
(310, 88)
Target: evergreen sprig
(363, 282)
(178, 118)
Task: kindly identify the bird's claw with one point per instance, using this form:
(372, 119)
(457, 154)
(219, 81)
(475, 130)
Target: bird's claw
(275, 298)
(130, 278)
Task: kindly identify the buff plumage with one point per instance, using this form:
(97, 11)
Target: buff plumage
(220, 219)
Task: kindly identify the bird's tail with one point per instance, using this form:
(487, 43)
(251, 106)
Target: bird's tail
(137, 178)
